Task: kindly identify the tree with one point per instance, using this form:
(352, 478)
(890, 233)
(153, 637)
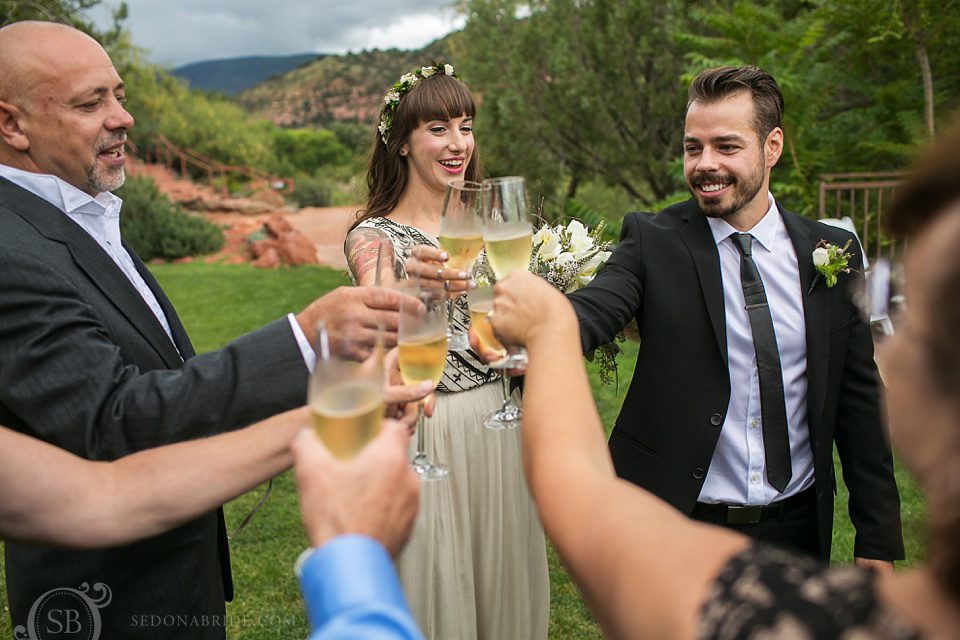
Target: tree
(577, 90)
(69, 12)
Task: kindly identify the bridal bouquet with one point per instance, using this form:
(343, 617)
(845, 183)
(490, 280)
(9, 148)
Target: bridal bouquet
(568, 257)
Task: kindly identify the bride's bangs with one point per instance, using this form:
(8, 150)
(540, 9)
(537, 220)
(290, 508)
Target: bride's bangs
(439, 98)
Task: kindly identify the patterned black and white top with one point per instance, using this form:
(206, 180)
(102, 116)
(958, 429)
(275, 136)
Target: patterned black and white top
(767, 592)
(464, 369)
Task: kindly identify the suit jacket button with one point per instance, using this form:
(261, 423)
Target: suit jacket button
(716, 419)
(698, 473)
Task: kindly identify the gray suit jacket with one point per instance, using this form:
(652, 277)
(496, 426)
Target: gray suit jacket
(85, 365)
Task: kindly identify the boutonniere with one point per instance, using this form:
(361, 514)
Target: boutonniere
(829, 260)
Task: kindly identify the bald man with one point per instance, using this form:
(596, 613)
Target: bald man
(93, 358)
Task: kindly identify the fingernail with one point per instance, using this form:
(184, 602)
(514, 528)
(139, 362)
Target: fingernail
(425, 387)
(462, 275)
(443, 255)
(471, 284)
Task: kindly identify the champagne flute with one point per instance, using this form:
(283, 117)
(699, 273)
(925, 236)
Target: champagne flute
(461, 238)
(422, 355)
(508, 242)
(481, 305)
(345, 392)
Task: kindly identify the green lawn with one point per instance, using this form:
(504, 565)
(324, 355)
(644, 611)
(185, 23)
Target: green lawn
(220, 302)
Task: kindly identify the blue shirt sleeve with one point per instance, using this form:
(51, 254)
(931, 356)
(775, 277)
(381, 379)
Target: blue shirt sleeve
(351, 591)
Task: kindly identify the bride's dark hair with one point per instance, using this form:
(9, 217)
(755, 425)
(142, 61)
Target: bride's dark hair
(439, 97)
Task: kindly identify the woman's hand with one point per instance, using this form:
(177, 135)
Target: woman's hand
(526, 306)
(427, 264)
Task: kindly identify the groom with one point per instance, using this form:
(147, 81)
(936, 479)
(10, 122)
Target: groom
(93, 357)
(750, 366)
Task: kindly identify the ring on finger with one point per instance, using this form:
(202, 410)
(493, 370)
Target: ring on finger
(446, 285)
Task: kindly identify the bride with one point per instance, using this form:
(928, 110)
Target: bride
(475, 566)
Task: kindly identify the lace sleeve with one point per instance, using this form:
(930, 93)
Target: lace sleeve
(767, 592)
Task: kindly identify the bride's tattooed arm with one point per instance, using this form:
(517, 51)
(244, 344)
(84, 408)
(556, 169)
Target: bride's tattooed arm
(362, 248)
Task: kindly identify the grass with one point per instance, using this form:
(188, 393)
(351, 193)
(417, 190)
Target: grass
(220, 302)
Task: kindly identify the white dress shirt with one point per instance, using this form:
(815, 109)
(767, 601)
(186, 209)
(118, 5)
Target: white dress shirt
(737, 473)
(100, 218)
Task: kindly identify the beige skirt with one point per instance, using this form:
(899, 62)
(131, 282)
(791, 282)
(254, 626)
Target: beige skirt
(476, 564)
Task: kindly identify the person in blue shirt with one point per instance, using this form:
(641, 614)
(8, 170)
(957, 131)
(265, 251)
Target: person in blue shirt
(357, 514)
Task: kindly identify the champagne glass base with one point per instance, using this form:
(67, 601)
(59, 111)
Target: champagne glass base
(458, 342)
(427, 470)
(506, 417)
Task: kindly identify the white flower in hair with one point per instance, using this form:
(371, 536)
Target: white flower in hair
(426, 72)
(448, 69)
(409, 77)
(390, 97)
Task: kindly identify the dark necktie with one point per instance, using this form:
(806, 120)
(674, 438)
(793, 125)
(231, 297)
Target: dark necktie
(773, 412)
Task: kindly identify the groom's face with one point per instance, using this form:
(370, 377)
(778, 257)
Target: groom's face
(725, 165)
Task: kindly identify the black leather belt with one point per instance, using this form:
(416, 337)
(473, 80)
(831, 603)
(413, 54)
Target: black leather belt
(751, 514)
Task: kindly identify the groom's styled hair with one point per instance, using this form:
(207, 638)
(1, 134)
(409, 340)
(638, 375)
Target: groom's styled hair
(719, 83)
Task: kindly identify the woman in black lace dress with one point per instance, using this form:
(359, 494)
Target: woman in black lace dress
(648, 572)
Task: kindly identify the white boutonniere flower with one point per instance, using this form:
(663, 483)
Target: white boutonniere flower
(829, 260)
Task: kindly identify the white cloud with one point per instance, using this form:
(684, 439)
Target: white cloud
(176, 32)
(407, 32)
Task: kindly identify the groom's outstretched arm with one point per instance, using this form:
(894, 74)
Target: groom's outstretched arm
(606, 305)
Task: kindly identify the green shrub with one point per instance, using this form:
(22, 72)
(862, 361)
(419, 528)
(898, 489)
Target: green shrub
(313, 191)
(157, 228)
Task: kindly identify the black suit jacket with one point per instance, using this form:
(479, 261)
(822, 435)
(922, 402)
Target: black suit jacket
(665, 273)
(85, 365)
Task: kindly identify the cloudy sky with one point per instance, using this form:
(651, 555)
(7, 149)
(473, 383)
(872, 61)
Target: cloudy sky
(180, 31)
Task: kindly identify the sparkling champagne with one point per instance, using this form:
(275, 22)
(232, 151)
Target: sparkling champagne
(347, 416)
(463, 250)
(422, 358)
(484, 330)
(509, 248)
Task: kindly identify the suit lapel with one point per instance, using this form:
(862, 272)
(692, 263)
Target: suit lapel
(703, 250)
(92, 260)
(180, 337)
(816, 311)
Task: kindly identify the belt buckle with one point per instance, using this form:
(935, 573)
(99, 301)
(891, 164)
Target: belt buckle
(737, 514)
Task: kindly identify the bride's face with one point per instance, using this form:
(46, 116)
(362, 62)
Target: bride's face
(439, 151)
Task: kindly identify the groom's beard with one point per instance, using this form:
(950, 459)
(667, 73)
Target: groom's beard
(742, 192)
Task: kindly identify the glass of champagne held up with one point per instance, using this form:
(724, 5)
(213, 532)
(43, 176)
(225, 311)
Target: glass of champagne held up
(481, 306)
(461, 238)
(422, 355)
(345, 392)
(508, 242)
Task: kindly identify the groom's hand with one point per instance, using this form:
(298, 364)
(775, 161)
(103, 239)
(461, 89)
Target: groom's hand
(355, 311)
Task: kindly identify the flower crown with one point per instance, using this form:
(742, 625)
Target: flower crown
(407, 82)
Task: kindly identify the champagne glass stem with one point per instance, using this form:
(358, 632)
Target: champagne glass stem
(421, 453)
(505, 382)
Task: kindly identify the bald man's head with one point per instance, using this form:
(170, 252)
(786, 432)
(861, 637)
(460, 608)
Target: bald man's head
(29, 51)
(61, 107)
